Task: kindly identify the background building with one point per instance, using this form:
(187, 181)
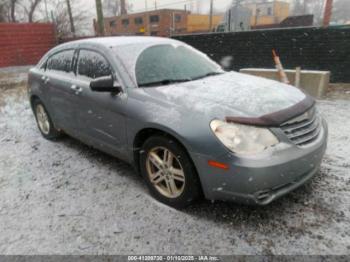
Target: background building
(247, 15)
(198, 23)
(163, 22)
(237, 18)
(267, 13)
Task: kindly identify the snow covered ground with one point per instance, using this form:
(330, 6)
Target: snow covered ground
(66, 198)
(13, 76)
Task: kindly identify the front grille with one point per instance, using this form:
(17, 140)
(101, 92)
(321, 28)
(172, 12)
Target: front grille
(303, 129)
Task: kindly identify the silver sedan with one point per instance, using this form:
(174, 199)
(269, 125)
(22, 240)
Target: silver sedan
(189, 128)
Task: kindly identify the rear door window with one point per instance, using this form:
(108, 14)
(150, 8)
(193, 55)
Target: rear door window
(92, 65)
(61, 62)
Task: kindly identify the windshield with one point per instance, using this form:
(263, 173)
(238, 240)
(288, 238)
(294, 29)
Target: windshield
(166, 64)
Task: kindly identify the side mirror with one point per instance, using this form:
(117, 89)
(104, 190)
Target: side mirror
(105, 84)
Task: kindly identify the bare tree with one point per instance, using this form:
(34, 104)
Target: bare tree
(111, 7)
(315, 7)
(8, 10)
(32, 8)
(21, 10)
(114, 7)
(341, 11)
(4, 10)
(299, 7)
(13, 4)
(71, 19)
(82, 19)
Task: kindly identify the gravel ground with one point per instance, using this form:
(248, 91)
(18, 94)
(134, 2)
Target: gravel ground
(66, 198)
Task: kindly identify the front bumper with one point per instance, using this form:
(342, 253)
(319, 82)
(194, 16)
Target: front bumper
(262, 180)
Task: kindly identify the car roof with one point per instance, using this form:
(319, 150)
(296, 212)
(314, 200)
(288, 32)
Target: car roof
(115, 41)
(127, 49)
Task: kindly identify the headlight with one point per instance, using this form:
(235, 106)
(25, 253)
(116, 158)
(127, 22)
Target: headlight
(243, 139)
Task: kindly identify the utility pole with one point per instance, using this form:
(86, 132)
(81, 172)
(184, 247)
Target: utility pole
(54, 21)
(148, 32)
(155, 4)
(71, 20)
(173, 28)
(327, 13)
(100, 22)
(211, 15)
(257, 16)
(123, 7)
(46, 12)
(53, 18)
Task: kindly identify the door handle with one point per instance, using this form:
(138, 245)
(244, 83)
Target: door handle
(76, 89)
(45, 79)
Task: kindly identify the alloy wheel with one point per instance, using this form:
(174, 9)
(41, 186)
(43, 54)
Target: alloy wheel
(165, 172)
(43, 119)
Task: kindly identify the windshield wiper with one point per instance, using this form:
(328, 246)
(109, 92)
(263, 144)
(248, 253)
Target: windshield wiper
(164, 82)
(173, 81)
(207, 75)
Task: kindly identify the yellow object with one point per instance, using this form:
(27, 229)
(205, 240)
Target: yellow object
(200, 23)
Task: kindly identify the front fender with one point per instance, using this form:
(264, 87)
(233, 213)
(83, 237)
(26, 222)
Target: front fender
(193, 131)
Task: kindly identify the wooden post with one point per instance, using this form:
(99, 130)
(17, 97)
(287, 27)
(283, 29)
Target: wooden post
(100, 20)
(280, 69)
(297, 76)
(211, 15)
(327, 13)
(71, 20)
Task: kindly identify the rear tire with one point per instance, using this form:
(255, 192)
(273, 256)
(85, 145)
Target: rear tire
(169, 172)
(44, 122)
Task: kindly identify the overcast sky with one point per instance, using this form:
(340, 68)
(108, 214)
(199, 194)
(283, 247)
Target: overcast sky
(139, 5)
(203, 4)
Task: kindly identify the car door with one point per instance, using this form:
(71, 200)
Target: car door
(58, 80)
(101, 114)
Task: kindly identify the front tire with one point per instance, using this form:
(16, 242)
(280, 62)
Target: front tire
(44, 122)
(169, 172)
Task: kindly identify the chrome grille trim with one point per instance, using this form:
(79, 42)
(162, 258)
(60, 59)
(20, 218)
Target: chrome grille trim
(298, 125)
(303, 129)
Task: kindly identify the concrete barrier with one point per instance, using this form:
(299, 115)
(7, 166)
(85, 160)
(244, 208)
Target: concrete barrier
(315, 83)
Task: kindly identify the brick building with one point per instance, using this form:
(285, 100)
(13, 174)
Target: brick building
(163, 22)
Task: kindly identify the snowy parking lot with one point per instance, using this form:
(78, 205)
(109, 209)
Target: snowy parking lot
(66, 198)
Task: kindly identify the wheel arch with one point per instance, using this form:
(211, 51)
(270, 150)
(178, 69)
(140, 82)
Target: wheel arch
(145, 133)
(34, 98)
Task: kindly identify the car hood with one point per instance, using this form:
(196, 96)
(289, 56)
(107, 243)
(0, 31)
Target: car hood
(230, 95)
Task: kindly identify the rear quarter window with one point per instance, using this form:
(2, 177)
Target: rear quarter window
(60, 62)
(92, 65)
